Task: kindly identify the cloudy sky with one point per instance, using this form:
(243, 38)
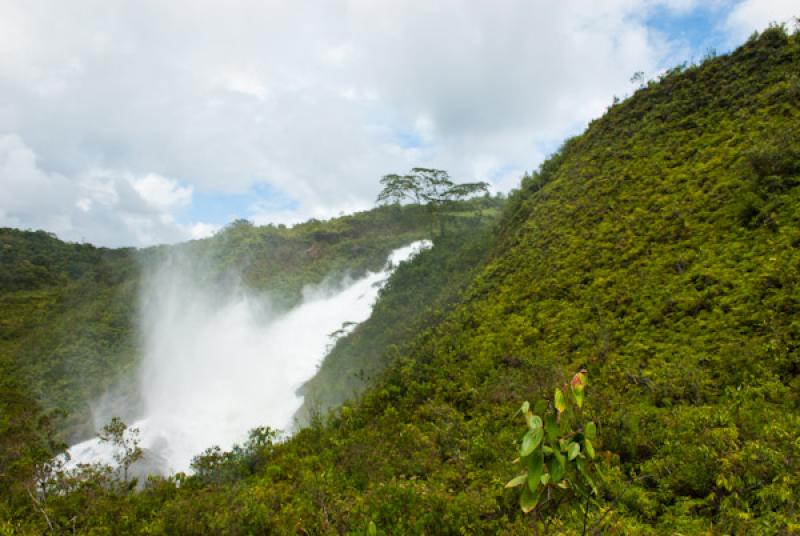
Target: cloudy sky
(134, 123)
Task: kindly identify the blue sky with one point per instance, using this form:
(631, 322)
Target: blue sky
(136, 123)
(699, 28)
(220, 208)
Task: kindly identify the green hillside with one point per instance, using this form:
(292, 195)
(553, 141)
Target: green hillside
(68, 312)
(659, 250)
(418, 295)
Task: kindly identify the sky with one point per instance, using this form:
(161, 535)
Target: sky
(133, 123)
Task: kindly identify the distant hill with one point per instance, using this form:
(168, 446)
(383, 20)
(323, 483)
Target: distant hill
(660, 251)
(68, 312)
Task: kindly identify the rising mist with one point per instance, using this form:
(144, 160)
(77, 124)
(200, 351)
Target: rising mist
(219, 360)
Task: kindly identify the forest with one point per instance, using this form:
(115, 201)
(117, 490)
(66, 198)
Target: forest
(623, 330)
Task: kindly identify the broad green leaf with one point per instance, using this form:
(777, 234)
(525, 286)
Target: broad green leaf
(561, 404)
(578, 396)
(534, 421)
(528, 500)
(538, 435)
(591, 431)
(545, 479)
(556, 467)
(551, 426)
(372, 530)
(589, 448)
(573, 450)
(517, 481)
(530, 441)
(560, 458)
(535, 470)
(525, 407)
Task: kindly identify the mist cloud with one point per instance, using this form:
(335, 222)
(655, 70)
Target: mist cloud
(218, 361)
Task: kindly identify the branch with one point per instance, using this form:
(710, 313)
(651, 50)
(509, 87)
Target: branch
(41, 509)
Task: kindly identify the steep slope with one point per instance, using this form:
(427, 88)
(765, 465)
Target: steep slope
(67, 315)
(659, 250)
(418, 295)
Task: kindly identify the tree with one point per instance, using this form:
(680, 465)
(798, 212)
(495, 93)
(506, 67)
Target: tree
(215, 466)
(125, 442)
(430, 187)
(396, 188)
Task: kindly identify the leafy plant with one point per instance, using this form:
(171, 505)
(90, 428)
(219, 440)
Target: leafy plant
(125, 442)
(557, 451)
(218, 467)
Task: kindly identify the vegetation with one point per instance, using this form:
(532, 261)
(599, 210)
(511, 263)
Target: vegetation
(68, 311)
(660, 252)
(68, 330)
(281, 261)
(125, 442)
(431, 188)
(417, 296)
(217, 467)
(67, 320)
(557, 453)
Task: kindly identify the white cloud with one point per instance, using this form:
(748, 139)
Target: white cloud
(102, 207)
(425, 128)
(203, 230)
(161, 192)
(246, 85)
(338, 54)
(755, 15)
(308, 97)
(30, 195)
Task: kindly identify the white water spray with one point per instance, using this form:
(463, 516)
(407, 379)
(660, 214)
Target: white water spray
(215, 368)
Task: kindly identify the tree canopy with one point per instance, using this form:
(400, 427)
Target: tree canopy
(432, 188)
(427, 186)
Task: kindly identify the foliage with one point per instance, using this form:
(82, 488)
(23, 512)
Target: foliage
(217, 467)
(281, 261)
(68, 329)
(424, 185)
(125, 442)
(430, 187)
(557, 452)
(417, 296)
(68, 312)
(66, 319)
